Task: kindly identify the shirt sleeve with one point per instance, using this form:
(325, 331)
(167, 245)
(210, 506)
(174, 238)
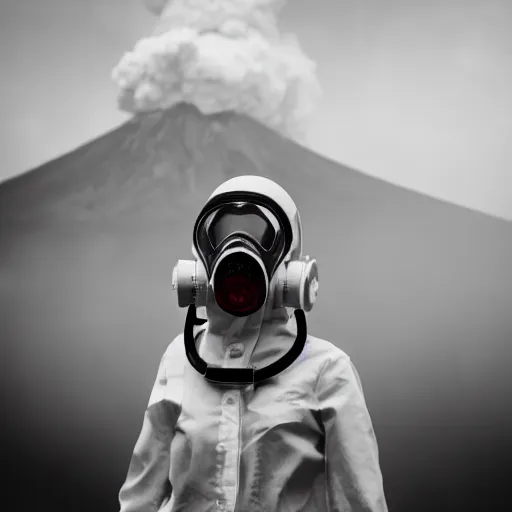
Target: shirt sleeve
(147, 484)
(353, 475)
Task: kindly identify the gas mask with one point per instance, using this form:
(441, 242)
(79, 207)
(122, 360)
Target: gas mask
(241, 238)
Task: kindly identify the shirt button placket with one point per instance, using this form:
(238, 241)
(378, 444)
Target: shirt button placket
(230, 477)
(229, 433)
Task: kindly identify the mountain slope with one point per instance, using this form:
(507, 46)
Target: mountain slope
(415, 290)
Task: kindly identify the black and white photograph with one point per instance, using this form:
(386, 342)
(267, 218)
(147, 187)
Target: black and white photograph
(256, 255)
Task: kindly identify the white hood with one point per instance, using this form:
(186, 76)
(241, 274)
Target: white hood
(223, 329)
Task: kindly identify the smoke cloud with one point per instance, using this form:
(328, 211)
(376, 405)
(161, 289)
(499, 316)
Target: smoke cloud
(221, 55)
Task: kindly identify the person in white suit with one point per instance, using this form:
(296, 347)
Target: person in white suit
(249, 412)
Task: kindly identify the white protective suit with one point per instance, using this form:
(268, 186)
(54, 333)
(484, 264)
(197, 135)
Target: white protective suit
(301, 441)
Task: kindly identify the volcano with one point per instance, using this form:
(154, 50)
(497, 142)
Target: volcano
(417, 291)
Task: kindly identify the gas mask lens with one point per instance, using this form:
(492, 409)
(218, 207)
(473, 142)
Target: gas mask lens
(256, 221)
(239, 284)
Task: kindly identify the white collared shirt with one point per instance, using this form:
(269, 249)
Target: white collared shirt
(301, 441)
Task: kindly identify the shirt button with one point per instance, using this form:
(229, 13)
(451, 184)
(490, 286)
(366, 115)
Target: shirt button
(236, 350)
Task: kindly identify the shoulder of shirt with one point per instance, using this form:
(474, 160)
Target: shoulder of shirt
(333, 360)
(176, 348)
(174, 359)
(327, 350)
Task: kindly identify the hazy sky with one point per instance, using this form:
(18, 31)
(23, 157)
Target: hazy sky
(415, 91)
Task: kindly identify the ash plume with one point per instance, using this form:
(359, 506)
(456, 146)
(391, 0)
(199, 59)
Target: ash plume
(221, 55)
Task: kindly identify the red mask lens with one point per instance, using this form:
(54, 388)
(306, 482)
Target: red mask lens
(240, 285)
